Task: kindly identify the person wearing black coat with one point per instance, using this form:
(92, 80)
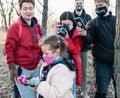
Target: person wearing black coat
(79, 11)
(101, 32)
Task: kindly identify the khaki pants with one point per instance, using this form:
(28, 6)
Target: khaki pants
(84, 58)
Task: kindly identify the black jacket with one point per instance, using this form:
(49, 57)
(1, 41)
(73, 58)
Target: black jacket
(85, 17)
(101, 32)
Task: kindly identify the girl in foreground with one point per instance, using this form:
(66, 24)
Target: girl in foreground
(56, 74)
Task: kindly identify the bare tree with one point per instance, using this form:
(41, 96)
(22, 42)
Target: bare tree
(7, 11)
(3, 14)
(44, 12)
(10, 13)
(117, 49)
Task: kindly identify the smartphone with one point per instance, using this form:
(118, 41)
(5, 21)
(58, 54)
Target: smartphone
(79, 22)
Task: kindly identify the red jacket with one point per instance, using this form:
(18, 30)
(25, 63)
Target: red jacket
(75, 46)
(21, 46)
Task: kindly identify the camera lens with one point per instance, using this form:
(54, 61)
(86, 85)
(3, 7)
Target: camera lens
(63, 30)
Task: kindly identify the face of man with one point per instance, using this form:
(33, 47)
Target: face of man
(101, 8)
(79, 4)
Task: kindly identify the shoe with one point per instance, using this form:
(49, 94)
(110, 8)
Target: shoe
(84, 95)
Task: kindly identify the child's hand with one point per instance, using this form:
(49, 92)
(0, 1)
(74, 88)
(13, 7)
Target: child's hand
(22, 80)
(33, 81)
(29, 82)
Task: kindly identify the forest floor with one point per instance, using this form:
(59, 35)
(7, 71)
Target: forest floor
(6, 90)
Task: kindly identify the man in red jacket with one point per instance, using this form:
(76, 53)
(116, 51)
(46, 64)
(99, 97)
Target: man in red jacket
(21, 47)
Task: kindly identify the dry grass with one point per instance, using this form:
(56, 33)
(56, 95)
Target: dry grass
(5, 84)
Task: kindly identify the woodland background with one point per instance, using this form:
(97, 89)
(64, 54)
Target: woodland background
(9, 12)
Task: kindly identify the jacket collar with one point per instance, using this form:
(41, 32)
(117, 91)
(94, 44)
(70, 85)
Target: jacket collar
(23, 22)
(82, 15)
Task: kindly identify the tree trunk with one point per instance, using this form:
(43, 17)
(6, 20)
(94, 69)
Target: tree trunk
(45, 14)
(3, 15)
(10, 13)
(117, 49)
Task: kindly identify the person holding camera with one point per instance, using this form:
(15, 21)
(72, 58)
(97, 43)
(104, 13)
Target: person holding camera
(101, 32)
(80, 12)
(69, 32)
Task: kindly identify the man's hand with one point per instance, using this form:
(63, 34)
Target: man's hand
(13, 75)
(12, 72)
(82, 32)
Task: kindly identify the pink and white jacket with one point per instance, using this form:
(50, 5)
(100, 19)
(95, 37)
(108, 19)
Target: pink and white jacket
(58, 84)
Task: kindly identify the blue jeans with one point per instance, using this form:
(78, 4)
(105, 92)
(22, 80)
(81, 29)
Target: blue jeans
(74, 87)
(104, 74)
(74, 82)
(25, 91)
(16, 91)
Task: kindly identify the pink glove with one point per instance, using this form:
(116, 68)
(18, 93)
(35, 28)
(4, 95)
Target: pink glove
(22, 80)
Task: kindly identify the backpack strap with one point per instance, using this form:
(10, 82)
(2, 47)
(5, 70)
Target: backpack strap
(46, 69)
(39, 29)
(66, 62)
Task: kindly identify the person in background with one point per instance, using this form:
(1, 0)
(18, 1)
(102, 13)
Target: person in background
(56, 74)
(80, 12)
(101, 32)
(21, 47)
(72, 37)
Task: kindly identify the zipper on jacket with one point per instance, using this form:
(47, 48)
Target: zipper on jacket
(32, 34)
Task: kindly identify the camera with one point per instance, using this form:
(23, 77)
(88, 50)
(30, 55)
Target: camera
(63, 30)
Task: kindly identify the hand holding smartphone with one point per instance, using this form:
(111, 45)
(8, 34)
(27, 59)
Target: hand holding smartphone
(79, 22)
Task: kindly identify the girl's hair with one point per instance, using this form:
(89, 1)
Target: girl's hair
(21, 1)
(56, 42)
(67, 15)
